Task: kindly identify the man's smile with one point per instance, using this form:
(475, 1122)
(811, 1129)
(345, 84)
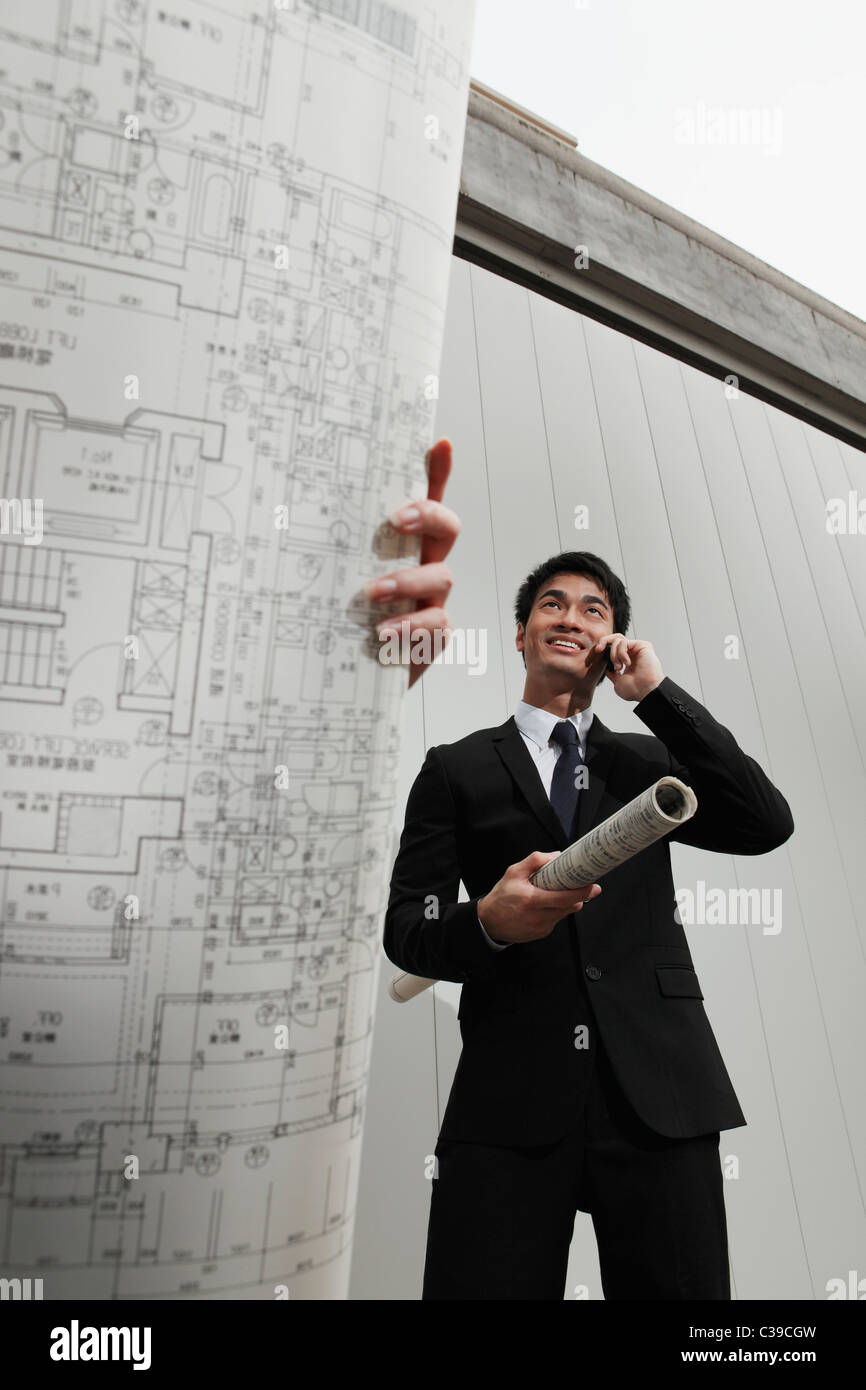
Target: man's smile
(567, 644)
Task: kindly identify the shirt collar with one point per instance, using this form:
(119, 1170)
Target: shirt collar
(538, 724)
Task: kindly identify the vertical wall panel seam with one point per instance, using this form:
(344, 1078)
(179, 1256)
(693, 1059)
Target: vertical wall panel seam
(755, 986)
(621, 558)
(553, 497)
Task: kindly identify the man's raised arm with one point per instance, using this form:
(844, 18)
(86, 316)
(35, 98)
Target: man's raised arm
(739, 809)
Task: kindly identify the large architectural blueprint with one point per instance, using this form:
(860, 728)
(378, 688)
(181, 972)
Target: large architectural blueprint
(226, 236)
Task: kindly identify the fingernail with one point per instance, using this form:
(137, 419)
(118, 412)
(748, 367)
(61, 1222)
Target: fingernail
(375, 587)
(404, 514)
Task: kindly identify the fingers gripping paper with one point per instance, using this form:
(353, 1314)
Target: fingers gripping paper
(649, 817)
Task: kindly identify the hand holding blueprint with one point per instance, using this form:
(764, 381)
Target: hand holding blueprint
(656, 812)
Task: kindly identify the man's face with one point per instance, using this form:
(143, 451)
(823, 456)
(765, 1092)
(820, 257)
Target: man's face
(569, 614)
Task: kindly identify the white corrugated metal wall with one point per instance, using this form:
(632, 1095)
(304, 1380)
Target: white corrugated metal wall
(712, 508)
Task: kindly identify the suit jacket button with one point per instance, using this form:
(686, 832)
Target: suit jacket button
(593, 972)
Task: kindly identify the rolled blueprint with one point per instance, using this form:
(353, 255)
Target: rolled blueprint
(402, 987)
(656, 812)
(227, 231)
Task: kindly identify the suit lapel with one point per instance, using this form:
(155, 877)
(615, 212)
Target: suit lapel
(601, 746)
(508, 741)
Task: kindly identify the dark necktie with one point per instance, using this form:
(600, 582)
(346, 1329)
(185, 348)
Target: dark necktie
(563, 789)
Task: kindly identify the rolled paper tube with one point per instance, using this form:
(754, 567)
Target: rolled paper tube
(206, 458)
(403, 987)
(649, 817)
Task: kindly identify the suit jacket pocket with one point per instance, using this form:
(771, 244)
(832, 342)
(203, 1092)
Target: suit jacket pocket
(500, 997)
(679, 981)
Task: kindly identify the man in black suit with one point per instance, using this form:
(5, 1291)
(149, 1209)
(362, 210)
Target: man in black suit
(589, 1077)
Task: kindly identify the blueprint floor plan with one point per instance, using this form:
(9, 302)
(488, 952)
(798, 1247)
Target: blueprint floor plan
(226, 232)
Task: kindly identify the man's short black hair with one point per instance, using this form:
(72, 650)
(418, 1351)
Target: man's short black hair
(575, 562)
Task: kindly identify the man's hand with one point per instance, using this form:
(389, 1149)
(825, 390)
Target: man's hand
(638, 668)
(515, 910)
(429, 583)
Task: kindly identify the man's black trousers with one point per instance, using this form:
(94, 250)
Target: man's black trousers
(501, 1219)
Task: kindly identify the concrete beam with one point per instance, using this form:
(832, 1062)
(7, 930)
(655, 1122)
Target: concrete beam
(528, 198)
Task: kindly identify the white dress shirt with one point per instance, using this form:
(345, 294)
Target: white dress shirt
(536, 726)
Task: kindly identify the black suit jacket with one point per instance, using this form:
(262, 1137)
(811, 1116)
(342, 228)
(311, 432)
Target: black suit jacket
(622, 965)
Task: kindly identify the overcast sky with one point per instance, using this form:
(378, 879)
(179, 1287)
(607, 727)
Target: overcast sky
(748, 116)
